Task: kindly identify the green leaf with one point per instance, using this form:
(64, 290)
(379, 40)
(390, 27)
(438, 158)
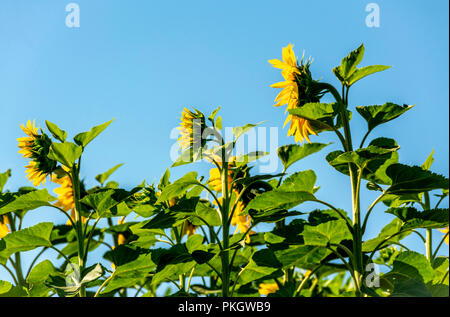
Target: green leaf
(110, 202)
(179, 187)
(362, 157)
(410, 288)
(250, 157)
(132, 272)
(171, 263)
(101, 178)
(84, 138)
(289, 154)
(173, 216)
(384, 238)
(164, 181)
(57, 133)
(93, 273)
(271, 215)
(4, 178)
(349, 64)
(321, 114)
(414, 219)
(325, 233)
(279, 199)
(302, 256)
(68, 284)
(372, 160)
(239, 131)
(29, 201)
(296, 189)
(207, 213)
(37, 277)
(188, 156)
(66, 153)
(262, 265)
(25, 240)
(376, 115)
(14, 291)
(301, 181)
(213, 115)
(5, 287)
(414, 266)
(413, 179)
(427, 164)
(365, 71)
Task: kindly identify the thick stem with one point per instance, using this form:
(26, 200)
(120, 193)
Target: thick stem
(225, 231)
(429, 237)
(78, 221)
(356, 212)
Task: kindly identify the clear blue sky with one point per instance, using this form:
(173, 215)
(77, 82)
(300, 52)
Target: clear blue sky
(142, 61)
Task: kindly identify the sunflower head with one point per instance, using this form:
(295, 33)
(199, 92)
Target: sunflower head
(36, 146)
(188, 228)
(191, 128)
(121, 239)
(215, 180)
(4, 229)
(267, 288)
(298, 89)
(65, 192)
(445, 230)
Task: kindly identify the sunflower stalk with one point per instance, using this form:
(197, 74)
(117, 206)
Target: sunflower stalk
(74, 175)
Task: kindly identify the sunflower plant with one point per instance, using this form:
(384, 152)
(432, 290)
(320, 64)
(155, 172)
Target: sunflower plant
(52, 158)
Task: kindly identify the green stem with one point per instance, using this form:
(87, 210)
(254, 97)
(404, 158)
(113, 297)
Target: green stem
(355, 179)
(305, 279)
(10, 273)
(104, 284)
(439, 246)
(225, 230)
(78, 220)
(429, 236)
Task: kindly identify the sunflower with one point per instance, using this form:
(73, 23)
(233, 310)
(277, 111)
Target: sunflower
(445, 230)
(242, 222)
(215, 179)
(297, 90)
(188, 228)
(191, 127)
(4, 229)
(121, 237)
(267, 288)
(36, 146)
(66, 199)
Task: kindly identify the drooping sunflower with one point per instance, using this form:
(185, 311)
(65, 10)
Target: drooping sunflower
(241, 222)
(215, 179)
(66, 200)
(4, 229)
(188, 228)
(36, 146)
(191, 127)
(268, 288)
(297, 89)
